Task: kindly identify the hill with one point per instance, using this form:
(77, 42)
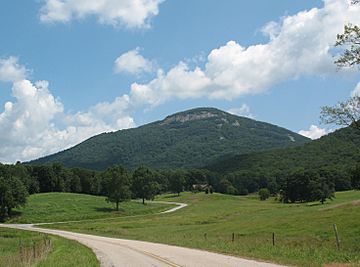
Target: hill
(338, 151)
(60, 207)
(188, 139)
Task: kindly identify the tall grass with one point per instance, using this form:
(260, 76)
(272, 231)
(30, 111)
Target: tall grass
(22, 248)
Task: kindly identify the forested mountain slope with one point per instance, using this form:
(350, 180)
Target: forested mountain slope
(337, 151)
(188, 139)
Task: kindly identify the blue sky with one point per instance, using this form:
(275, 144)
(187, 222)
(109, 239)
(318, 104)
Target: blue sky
(118, 64)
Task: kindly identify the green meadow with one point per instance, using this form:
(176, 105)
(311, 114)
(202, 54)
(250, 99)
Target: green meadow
(304, 234)
(24, 248)
(59, 207)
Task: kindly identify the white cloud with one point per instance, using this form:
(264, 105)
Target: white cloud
(244, 111)
(298, 45)
(356, 91)
(179, 82)
(128, 13)
(35, 123)
(11, 71)
(314, 132)
(133, 63)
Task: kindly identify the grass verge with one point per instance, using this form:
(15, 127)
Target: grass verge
(25, 248)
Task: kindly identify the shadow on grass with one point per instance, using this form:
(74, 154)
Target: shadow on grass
(14, 214)
(108, 210)
(171, 196)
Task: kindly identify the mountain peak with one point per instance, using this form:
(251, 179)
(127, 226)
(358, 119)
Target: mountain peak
(193, 115)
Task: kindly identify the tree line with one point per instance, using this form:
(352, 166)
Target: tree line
(118, 184)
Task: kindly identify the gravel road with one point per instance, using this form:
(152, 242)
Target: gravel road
(114, 252)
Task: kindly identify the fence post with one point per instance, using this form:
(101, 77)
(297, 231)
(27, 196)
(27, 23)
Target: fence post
(233, 237)
(21, 250)
(337, 236)
(205, 236)
(34, 250)
(273, 239)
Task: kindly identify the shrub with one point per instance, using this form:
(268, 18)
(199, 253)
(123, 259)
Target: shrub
(264, 193)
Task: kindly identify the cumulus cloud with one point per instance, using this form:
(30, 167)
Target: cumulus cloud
(179, 82)
(244, 111)
(128, 13)
(314, 132)
(35, 123)
(11, 70)
(298, 45)
(132, 62)
(356, 91)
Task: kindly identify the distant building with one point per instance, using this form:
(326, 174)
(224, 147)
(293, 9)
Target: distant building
(201, 188)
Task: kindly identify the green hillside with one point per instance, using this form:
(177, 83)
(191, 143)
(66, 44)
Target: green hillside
(188, 139)
(60, 207)
(338, 151)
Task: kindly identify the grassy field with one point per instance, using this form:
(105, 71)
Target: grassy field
(59, 207)
(23, 248)
(304, 233)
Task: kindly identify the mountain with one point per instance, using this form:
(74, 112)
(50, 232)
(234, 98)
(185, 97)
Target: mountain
(192, 138)
(338, 152)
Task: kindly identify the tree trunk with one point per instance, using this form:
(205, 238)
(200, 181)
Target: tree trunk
(117, 205)
(2, 212)
(143, 200)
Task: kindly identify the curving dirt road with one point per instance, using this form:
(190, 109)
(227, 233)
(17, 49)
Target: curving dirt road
(113, 252)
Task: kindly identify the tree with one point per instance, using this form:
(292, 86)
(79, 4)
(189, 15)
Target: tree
(226, 187)
(176, 182)
(143, 184)
(321, 189)
(13, 194)
(346, 113)
(351, 39)
(46, 177)
(118, 185)
(355, 177)
(306, 186)
(264, 194)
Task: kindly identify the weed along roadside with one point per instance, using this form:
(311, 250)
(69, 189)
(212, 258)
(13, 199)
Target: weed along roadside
(20, 248)
(28, 249)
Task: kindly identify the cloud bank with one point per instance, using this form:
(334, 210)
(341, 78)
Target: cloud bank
(299, 45)
(128, 13)
(35, 123)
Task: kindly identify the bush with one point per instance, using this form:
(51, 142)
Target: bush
(264, 193)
